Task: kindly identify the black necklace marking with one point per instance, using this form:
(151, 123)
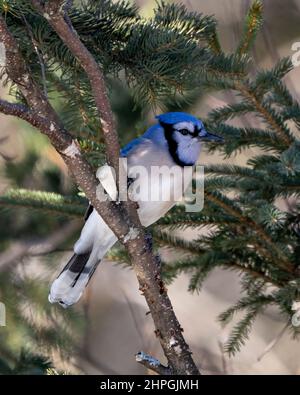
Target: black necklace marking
(172, 144)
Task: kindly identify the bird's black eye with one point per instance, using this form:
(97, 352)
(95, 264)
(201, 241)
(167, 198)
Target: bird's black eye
(184, 131)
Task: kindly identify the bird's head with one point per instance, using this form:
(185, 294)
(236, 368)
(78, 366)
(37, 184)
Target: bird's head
(184, 134)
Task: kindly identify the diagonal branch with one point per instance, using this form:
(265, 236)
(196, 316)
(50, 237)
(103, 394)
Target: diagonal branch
(23, 112)
(55, 14)
(55, 11)
(41, 115)
(127, 228)
(145, 264)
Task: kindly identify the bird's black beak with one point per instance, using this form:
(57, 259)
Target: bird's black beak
(212, 137)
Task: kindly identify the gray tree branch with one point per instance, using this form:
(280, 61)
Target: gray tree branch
(122, 222)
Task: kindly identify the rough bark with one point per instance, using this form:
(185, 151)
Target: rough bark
(122, 219)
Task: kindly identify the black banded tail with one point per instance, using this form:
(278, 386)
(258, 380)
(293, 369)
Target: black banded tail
(72, 280)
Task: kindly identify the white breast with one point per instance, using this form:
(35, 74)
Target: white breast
(164, 193)
(160, 184)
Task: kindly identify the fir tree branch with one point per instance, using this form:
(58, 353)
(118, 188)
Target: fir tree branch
(54, 12)
(144, 262)
(18, 72)
(39, 55)
(252, 25)
(48, 122)
(282, 261)
(241, 331)
(214, 43)
(45, 201)
(263, 111)
(253, 273)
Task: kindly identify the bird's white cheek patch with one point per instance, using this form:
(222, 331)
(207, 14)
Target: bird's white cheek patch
(182, 140)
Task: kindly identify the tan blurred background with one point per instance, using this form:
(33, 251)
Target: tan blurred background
(117, 324)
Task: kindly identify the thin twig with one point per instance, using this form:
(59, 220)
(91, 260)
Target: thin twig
(273, 343)
(152, 363)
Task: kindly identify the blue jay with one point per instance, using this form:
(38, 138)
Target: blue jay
(174, 141)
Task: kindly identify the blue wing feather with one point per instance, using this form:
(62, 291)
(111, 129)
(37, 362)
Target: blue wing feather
(128, 147)
(153, 134)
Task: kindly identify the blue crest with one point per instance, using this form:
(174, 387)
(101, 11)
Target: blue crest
(172, 118)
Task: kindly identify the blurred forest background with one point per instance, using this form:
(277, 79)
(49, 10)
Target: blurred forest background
(101, 334)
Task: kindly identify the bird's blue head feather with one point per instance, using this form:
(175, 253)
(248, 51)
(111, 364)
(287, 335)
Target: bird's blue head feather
(184, 134)
(172, 118)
